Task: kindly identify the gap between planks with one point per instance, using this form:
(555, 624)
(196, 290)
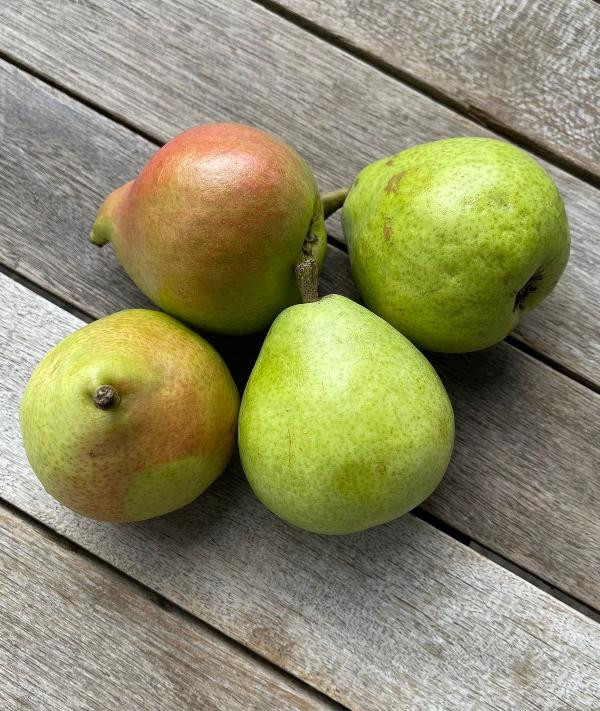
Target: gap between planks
(76, 96)
(478, 116)
(46, 294)
(419, 512)
(159, 600)
(553, 364)
(334, 241)
(543, 585)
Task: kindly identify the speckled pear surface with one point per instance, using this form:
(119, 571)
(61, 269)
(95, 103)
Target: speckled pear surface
(453, 241)
(213, 225)
(156, 446)
(344, 424)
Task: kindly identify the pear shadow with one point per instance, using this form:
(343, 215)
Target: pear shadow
(371, 584)
(472, 377)
(227, 541)
(203, 520)
(479, 385)
(487, 393)
(106, 285)
(238, 352)
(228, 525)
(354, 574)
(336, 276)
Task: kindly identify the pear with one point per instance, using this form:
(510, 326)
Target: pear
(212, 227)
(344, 424)
(454, 241)
(130, 417)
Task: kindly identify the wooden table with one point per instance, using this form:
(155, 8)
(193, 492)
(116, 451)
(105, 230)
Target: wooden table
(486, 597)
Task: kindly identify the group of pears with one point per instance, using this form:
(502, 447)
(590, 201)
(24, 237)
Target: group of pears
(343, 423)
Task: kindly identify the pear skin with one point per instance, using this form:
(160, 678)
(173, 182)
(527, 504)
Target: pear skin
(344, 424)
(453, 242)
(130, 417)
(212, 227)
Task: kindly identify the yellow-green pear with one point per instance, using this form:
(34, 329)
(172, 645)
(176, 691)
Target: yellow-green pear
(344, 424)
(130, 417)
(453, 241)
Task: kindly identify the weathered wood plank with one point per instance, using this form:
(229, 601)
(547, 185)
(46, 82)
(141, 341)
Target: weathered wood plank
(164, 65)
(527, 454)
(532, 67)
(524, 475)
(76, 635)
(401, 616)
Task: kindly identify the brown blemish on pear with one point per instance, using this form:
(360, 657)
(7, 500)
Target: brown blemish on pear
(393, 183)
(387, 229)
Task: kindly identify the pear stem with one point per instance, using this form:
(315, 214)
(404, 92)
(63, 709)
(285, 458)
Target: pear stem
(106, 397)
(307, 274)
(333, 201)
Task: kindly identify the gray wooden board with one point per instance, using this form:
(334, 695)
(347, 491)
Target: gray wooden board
(166, 65)
(401, 616)
(524, 476)
(76, 635)
(533, 67)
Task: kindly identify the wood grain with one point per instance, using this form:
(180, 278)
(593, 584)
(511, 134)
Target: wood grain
(164, 65)
(531, 67)
(401, 616)
(76, 635)
(523, 476)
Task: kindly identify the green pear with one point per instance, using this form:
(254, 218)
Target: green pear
(454, 241)
(344, 424)
(130, 417)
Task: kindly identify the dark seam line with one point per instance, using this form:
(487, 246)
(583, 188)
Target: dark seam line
(589, 611)
(79, 98)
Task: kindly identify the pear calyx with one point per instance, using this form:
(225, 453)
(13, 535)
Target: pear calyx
(106, 397)
(530, 287)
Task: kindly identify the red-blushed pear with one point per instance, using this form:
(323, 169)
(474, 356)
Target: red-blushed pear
(214, 224)
(130, 417)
